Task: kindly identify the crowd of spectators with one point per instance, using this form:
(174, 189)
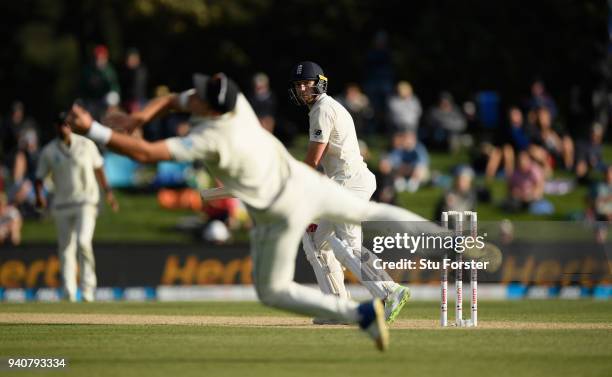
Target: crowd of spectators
(530, 150)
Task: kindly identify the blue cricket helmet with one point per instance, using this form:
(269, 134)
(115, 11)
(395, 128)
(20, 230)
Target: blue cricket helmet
(306, 70)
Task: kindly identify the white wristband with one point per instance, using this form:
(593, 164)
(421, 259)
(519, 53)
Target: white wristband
(99, 133)
(183, 98)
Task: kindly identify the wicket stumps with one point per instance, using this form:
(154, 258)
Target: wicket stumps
(458, 218)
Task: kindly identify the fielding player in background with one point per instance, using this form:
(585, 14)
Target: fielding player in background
(334, 145)
(75, 164)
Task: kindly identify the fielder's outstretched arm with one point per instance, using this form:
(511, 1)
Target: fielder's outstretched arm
(141, 150)
(156, 107)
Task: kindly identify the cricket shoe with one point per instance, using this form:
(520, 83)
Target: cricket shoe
(327, 321)
(395, 302)
(489, 253)
(372, 321)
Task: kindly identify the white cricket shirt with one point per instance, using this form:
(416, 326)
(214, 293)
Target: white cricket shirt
(331, 123)
(252, 164)
(72, 171)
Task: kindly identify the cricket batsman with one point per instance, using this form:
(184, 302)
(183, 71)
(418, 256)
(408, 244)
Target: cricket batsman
(334, 145)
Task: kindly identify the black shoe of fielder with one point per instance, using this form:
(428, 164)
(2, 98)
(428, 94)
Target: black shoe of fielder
(372, 321)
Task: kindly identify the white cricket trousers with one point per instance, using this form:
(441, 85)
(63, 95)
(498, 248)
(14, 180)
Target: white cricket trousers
(363, 185)
(75, 229)
(275, 239)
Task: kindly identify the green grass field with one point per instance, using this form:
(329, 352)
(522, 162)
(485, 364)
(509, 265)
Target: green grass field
(517, 338)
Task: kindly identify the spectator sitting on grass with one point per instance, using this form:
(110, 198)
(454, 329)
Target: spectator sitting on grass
(446, 124)
(589, 153)
(15, 125)
(24, 173)
(600, 198)
(10, 222)
(404, 109)
(541, 99)
(526, 185)
(515, 138)
(600, 205)
(552, 138)
(406, 167)
(358, 105)
(462, 196)
(263, 101)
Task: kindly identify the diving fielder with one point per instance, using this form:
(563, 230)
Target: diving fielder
(334, 145)
(76, 168)
(256, 168)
